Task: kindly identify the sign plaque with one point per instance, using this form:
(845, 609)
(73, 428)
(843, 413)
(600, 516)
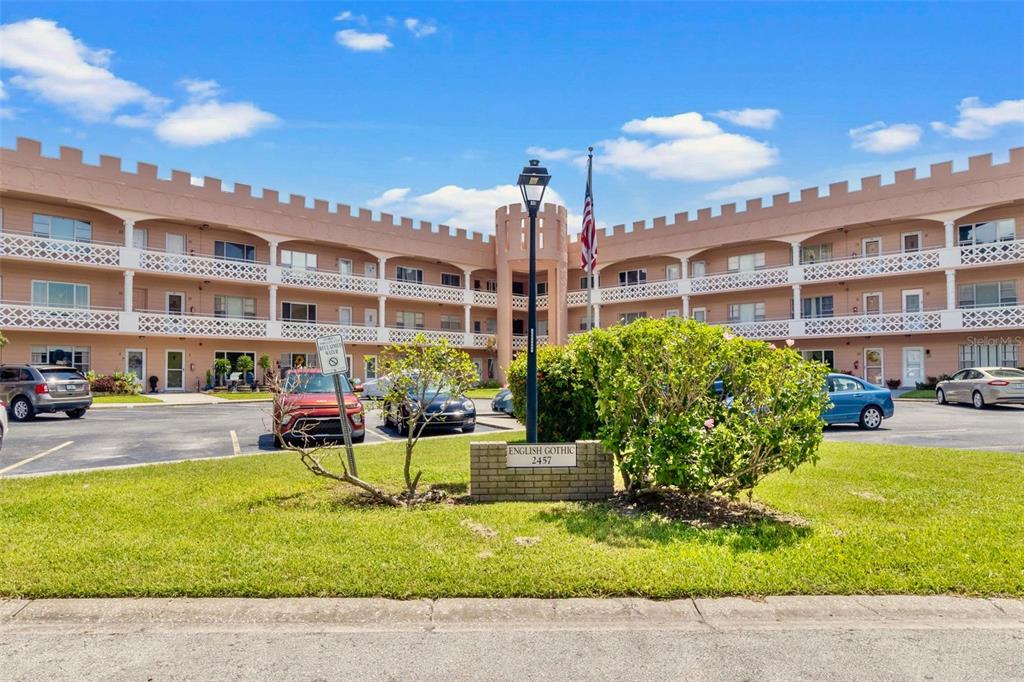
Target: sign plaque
(331, 351)
(541, 455)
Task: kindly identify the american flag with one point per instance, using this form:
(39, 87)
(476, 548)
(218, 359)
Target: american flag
(588, 237)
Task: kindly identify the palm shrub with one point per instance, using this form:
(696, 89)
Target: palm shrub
(567, 409)
(690, 406)
(244, 364)
(221, 368)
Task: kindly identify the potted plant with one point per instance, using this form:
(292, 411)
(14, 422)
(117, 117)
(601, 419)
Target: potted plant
(264, 363)
(893, 384)
(152, 383)
(209, 381)
(221, 369)
(244, 364)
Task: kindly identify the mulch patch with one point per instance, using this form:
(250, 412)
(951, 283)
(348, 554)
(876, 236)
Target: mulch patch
(700, 511)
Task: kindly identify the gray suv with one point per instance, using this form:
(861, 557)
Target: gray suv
(31, 389)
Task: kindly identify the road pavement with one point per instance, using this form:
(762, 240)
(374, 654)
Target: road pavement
(778, 638)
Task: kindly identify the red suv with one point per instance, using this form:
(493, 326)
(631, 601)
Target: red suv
(308, 410)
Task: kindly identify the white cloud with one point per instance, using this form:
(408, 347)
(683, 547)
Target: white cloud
(763, 119)
(358, 41)
(690, 124)
(978, 121)
(3, 93)
(348, 15)
(880, 138)
(57, 67)
(389, 197)
(420, 29)
(200, 90)
(546, 154)
(714, 157)
(755, 187)
(202, 123)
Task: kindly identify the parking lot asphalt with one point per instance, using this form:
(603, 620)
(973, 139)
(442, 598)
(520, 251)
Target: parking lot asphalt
(145, 435)
(127, 436)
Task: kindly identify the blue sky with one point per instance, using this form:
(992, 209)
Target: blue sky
(429, 109)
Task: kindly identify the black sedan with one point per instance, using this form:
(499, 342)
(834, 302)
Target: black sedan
(438, 409)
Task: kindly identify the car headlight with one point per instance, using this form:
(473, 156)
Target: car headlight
(469, 404)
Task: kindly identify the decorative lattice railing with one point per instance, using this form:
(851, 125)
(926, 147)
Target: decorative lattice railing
(578, 298)
(762, 329)
(58, 250)
(519, 342)
(307, 331)
(332, 281)
(426, 292)
(871, 267)
(485, 298)
(637, 292)
(998, 252)
(18, 316)
(202, 325)
(484, 340)
(753, 279)
(887, 323)
(986, 318)
(202, 266)
(520, 302)
(399, 335)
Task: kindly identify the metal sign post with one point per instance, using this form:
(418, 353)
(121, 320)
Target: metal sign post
(331, 351)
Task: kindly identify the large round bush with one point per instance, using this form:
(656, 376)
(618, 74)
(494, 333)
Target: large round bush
(567, 408)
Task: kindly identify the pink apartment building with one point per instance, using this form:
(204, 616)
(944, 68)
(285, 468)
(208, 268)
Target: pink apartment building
(113, 270)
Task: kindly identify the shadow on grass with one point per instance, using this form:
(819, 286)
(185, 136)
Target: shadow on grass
(736, 526)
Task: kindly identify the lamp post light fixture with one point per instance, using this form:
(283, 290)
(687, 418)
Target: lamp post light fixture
(532, 182)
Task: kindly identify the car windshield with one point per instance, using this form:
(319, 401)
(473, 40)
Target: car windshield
(310, 382)
(1007, 373)
(61, 375)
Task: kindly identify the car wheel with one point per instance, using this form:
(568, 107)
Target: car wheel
(359, 439)
(978, 400)
(279, 442)
(76, 414)
(402, 426)
(870, 418)
(21, 409)
(940, 397)
(469, 429)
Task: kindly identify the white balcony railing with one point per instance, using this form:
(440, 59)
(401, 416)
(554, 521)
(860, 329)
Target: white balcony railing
(22, 316)
(426, 292)
(520, 302)
(637, 292)
(201, 325)
(401, 335)
(997, 252)
(15, 245)
(202, 266)
(332, 281)
(485, 298)
(308, 331)
(851, 268)
(729, 281)
(761, 329)
(884, 323)
(996, 317)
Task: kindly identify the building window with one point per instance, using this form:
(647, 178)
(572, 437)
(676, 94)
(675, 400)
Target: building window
(407, 320)
(68, 356)
(990, 355)
(542, 288)
(298, 312)
(746, 312)
(630, 277)
(583, 281)
(452, 323)
(60, 294)
(234, 251)
(296, 360)
(746, 262)
(345, 314)
(345, 266)
(518, 288)
(698, 268)
(672, 312)
(491, 285)
(234, 306)
(140, 238)
(816, 253)
(988, 294)
(699, 314)
(404, 274)
(492, 326)
(56, 227)
(370, 366)
(826, 356)
(816, 306)
(987, 232)
(300, 260)
(450, 279)
(626, 318)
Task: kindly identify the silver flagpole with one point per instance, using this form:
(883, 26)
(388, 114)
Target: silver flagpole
(590, 258)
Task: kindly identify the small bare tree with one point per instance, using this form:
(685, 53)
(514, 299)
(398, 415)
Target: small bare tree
(327, 460)
(420, 374)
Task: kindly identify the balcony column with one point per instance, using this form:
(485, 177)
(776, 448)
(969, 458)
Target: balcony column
(272, 251)
(381, 331)
(686, 307)
(795, 258)
(950, 289)
(129, 233)
(467, 332)
(129, 286)
(273, 302)
(797, 307)
(949, 226)
(597, 316)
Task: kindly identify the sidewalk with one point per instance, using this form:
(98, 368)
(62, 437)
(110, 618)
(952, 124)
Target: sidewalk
(181, 399)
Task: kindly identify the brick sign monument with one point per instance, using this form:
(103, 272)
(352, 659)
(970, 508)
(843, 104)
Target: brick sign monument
(503, 472)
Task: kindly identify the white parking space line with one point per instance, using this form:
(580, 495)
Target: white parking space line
(234, 443)
(35, 457)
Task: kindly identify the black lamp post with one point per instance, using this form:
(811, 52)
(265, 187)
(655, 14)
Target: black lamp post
(532, 182)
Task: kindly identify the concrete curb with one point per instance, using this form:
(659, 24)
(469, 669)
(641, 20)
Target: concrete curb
(219, 401)
(375, 614)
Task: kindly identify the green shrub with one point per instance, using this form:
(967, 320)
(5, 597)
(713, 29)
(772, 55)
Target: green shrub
(244, 364)
(567, 408)
(660, 412)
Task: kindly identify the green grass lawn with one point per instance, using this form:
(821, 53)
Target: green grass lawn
(102, 399)
(881, 520)
(919, 393)
(254, 395)
(482, 393)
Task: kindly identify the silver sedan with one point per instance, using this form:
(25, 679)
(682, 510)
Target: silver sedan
(982, 386)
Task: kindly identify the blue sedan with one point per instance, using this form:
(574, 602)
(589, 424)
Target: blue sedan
(855, 401)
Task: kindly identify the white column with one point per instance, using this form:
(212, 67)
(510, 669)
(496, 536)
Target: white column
(950, 234)
(468, 321)
(272, 248)
(796, 253)
(273, 302)
(950, 289)
(597, 316)
(382, 263)
(684, 268)
(380, 311)
(129, 233)
(686, 307)
(129, 284)
(797, 308)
